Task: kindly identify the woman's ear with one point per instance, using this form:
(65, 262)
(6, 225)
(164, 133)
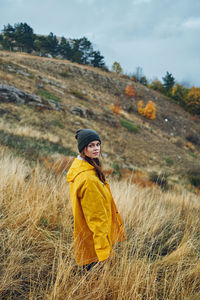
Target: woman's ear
(83, 153)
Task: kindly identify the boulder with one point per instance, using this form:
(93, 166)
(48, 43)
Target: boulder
(14, 95)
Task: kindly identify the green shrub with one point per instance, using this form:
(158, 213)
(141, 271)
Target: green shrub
(195, 180)
(156, 85)
(192, 154)
(169, 161)
(179, 93)
(129, 125)
(48, 96)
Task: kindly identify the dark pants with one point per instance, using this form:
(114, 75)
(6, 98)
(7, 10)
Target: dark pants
(89, 266)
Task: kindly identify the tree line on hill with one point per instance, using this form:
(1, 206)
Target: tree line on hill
(21, 37)
(188, 98)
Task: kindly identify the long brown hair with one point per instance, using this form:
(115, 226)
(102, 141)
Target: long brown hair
(96, 164)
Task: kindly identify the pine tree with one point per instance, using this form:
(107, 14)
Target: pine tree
(21, 38)
(76, 52)
(169, 82)
(24, 37)
(8, 41)
(85, 46)
(64, 49)
(97, 59)
(52, 44)
(41, 45)
(143, 80)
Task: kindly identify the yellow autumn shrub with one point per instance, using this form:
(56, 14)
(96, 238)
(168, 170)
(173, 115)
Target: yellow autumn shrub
(141, 108)
(193, 100)
(130, 90)
(149, 111)
(116, 108)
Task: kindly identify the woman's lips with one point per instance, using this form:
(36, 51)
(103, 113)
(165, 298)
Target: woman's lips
(96, 153)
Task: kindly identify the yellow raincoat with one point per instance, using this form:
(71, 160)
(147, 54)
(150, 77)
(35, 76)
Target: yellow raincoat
(97, 223)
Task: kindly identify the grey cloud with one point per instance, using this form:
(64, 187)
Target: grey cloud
(158, 35)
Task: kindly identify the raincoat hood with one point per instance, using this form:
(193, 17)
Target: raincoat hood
(78, 166)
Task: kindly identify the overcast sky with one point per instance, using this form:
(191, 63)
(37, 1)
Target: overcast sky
(157, 35)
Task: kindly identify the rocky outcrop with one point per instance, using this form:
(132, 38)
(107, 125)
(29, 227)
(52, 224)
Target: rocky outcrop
(14, 95)
(12, 68)
(82, 112)
(90, 114)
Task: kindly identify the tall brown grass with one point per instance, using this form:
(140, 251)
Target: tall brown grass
(159, 260)
(27, 131)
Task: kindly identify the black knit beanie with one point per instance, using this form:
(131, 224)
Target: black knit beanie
(86, 136)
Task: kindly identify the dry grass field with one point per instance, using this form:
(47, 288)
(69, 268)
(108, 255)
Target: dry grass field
(161, 257)
(159, 260)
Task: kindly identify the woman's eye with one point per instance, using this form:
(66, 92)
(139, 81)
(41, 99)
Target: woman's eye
(92, 145)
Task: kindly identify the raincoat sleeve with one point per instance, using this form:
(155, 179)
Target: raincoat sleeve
(95, 214)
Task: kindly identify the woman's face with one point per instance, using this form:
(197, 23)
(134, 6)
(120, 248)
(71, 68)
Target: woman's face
(93, 149)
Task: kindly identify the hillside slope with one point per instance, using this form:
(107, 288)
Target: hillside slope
(73, 96)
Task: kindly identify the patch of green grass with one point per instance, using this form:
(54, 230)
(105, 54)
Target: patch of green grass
(46, 95)
(32, 148)
(169, 161)
(192, 154)
(57, 123)
(129, 125)
(85, 104)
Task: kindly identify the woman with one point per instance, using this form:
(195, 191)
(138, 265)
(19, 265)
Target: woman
(97, 223)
